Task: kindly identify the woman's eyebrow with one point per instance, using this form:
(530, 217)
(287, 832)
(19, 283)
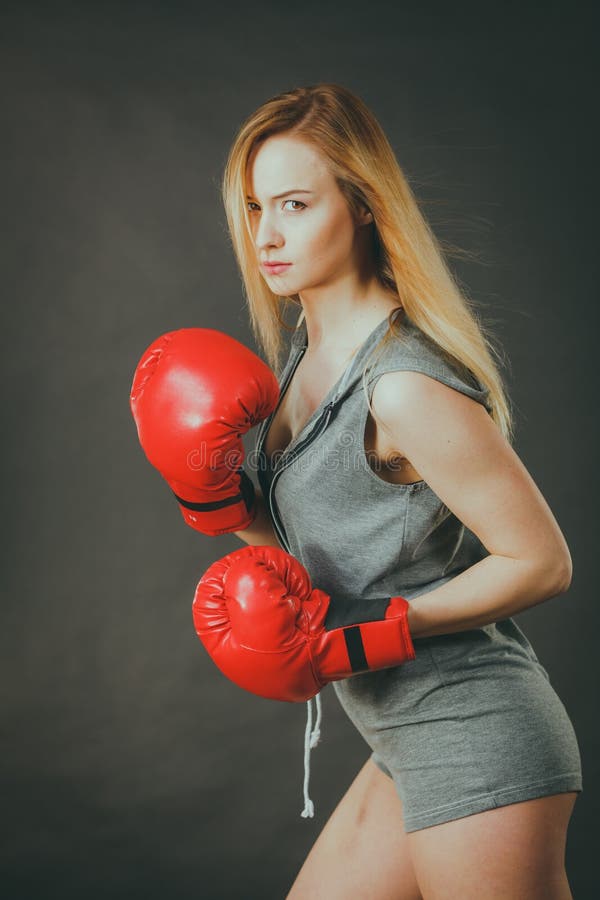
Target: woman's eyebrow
(290, 191)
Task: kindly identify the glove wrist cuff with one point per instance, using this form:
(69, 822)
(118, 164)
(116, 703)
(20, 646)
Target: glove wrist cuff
(366, 644)
(228, 514)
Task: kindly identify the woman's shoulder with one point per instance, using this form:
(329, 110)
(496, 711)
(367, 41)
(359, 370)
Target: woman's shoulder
(413, 350)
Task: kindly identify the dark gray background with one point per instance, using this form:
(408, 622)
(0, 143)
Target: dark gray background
(130, 766)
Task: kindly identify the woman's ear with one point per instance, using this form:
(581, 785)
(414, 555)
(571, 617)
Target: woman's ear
(365, 216)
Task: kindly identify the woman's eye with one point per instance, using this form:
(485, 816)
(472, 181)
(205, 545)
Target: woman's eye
(302, 205)
(296, 201)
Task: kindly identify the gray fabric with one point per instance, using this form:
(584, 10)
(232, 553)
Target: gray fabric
(473, 722)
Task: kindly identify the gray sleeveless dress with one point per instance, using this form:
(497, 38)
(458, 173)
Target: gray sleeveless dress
(473, 722)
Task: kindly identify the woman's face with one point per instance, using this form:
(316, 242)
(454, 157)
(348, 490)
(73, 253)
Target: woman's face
(309, 226)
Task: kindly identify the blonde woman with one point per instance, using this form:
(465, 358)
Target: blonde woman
(385, 471)
(387, 467)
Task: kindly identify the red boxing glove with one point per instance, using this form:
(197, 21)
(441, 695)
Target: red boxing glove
(195, 392)
(272, 634)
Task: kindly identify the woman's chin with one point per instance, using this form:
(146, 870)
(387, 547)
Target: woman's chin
(281, 288)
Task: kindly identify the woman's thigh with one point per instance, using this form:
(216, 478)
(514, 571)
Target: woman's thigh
(500, 854)
(362, 850)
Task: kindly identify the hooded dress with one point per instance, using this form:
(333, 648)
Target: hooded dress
(472, 722)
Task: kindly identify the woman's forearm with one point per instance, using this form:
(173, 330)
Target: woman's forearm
(495, 588)
(261, 531)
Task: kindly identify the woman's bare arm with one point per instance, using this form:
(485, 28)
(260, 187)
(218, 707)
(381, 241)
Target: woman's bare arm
(261, 531)
(460, 452)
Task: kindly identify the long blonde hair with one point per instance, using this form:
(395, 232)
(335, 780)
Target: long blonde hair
(408, 257)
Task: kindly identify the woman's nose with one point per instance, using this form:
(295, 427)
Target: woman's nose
(267, 234)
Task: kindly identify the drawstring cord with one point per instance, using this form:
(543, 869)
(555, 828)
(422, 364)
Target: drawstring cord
(311, 739)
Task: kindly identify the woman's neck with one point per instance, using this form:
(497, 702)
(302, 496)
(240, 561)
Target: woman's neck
(340, 329)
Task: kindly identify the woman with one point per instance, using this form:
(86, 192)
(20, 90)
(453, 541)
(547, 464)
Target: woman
(387, 466)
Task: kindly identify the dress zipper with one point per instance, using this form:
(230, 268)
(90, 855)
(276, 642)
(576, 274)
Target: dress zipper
(320, 427)
(311, 736)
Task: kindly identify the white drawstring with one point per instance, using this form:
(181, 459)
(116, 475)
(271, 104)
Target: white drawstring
(311, 739)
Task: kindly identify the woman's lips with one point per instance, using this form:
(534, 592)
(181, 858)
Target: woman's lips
(275, 268)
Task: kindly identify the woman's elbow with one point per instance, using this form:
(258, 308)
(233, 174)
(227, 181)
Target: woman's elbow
(563, 574)
(552, 576)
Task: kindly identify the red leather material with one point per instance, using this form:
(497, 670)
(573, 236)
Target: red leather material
(253, 623)
(195, 392)
(386, 643)
(262, 623)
